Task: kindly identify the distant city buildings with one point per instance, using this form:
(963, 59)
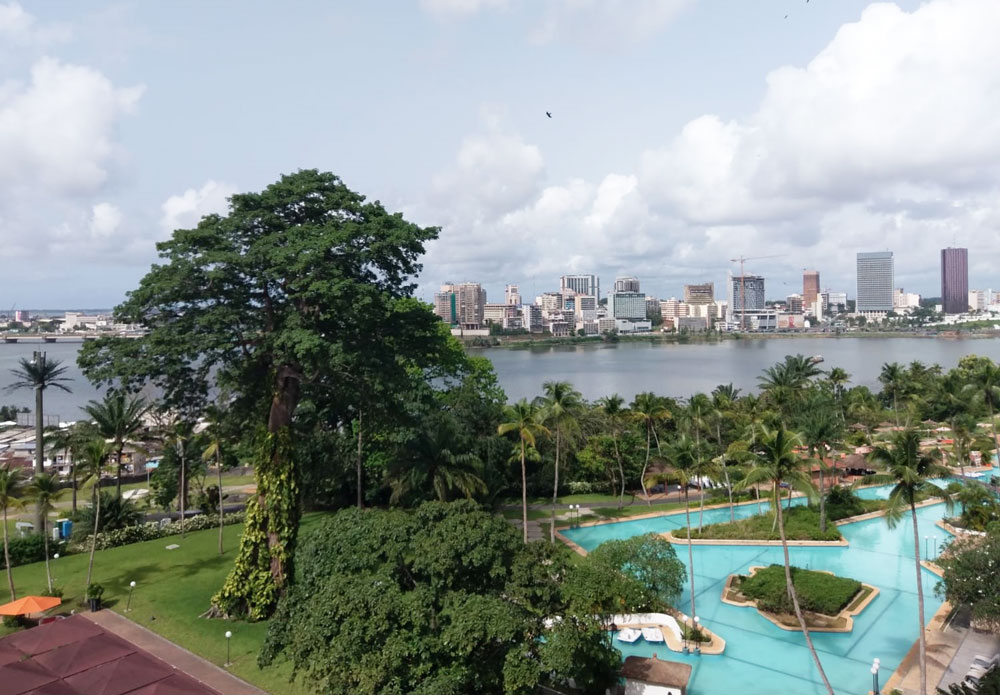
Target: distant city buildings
(512, 295)
(810, 290)
(746, 294)
(954, 280)
(978, 300)
(629, 305)
(904, 301)
(699, 294)
(875, 282)
(461, 305)
(793, 303)
(627, 284)
(581, 284)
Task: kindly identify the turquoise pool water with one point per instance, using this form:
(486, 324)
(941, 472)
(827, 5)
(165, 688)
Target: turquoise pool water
(762, 658)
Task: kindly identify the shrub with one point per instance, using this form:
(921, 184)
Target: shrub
(841, 502)
(818, 592)
(801, 524)
(54, 591)
(585, 487)
(115, 514)
(94, 591)
(151, 530)
(24, 550)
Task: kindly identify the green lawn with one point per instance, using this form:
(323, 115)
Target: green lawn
(173, 589)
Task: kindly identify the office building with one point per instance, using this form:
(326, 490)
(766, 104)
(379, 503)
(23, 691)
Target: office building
(626, 284)
(671, 308)
(834, 302)
(589, 285)
(794, 304)
(512, 295)
(746, 293)
(954, 280)
(630, 306)
(699, 294)
(978, 300)
(461, 304)
(810, 288)
(582, 307)
(875, 280)
(904, 301)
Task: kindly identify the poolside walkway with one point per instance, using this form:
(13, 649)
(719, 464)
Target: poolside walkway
(178, 657)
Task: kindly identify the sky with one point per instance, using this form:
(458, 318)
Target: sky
(684, 133)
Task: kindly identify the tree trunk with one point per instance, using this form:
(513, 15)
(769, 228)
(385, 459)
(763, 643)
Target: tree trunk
(621, 470)
(45, 540)
(183, 493)
(361, 503)
(72, 475)
(795, 603)
(218, 466)
(524, 493)
(895, 408)
(822, 500)
(687, 516)
(93, 539)
(39, 446)
(118, 470)
(6, 557)
(555, 490)
(725, 472)
(642, 477)
(920, 600)
(264, 562)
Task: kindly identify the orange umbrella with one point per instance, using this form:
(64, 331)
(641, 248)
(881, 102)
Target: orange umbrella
(30, 604)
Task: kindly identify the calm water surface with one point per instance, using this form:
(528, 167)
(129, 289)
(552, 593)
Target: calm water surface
(681, 370)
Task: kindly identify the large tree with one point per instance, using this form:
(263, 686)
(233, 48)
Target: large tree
(289, 296)
(525, 420)
(119, 419)
(562, 406)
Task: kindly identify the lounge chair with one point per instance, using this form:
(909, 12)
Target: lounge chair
(629, 635)
(652, 634)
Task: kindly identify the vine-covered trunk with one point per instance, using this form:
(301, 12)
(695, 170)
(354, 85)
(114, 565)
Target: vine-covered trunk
(39, 448)
(263, 566)
(6, 557)
(795, 603)
(920, 600)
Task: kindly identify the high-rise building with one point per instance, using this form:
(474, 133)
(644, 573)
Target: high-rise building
(589, 285)
(810, 288)
(793, 304)
(978, 300)
(954, 280)
(875, 279)
(461, 304)
(512, 295)
(746, 293)
(627, 305)
(699, 294)
(671, 308)
(626, 284)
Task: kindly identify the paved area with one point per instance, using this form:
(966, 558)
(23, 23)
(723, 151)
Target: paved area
(974, 644)
(178, 657)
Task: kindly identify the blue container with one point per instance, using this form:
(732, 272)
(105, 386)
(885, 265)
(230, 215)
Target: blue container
(66, 529)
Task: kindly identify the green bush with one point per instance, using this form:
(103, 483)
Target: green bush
(801, 524)
(24, 550)
(151, 530)
(818, 592)
(115, 514)
(841, 502)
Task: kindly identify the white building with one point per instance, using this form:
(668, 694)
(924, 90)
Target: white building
(905, 301)
(979, 300)
(627, 305)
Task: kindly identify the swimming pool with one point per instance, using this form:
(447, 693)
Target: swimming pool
(759, 656)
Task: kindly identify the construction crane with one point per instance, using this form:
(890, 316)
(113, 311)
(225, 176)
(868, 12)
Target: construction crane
(743, 282)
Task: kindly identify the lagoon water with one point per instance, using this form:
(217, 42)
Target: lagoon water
(675, 370)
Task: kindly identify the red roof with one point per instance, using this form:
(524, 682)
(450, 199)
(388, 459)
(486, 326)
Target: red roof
(76, 657)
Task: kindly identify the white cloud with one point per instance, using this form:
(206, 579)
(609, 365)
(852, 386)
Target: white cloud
(57, 131)
(459, 8)
(21, 28)
(105, 220)
(887, 138)
(185, 210)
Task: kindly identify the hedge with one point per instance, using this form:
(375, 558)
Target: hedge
(152, 530)
(24, 550)
(818, 592)
(801, 524)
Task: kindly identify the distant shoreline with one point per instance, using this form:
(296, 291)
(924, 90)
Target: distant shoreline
(522, 343)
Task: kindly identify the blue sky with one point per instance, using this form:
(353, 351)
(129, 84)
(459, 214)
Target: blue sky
(684, 133)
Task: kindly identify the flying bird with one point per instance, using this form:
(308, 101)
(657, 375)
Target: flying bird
(549, 114)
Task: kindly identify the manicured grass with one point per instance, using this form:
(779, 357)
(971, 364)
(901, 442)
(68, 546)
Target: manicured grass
(173, 589)
(818, 592)
(801, 524)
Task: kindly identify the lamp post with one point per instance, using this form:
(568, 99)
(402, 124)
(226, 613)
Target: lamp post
(874, 669)
(54, 558)
(935, 548)
(229, 636)
(926, 541)
(128, 604)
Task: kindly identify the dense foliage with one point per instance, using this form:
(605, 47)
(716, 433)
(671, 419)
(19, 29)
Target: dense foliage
(801, 524)
(115, 513)
(818, 592)
(446, 599)
(971, 564)
(651, 560)
(25, 550)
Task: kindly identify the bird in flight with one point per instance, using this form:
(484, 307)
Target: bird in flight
(549, 114)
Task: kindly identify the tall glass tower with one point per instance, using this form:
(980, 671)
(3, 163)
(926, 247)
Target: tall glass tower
(955, 280)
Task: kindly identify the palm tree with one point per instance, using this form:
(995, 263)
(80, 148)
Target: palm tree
(93, 460)
(783, 383)
(910, 471)
(525, 419)
(778, 463)
(39, 374)
(723, 400)
(562, 405)
(120, 419)
(180, 434)
(649, 409)
(11, 486)
(891, 379)
(611, 407)
(696, 417)
(985, 387)
(430, 460)
(682, 457)
(821, 431)
(44, 490)
(67, 439)
(837, 378)
(213, 452)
